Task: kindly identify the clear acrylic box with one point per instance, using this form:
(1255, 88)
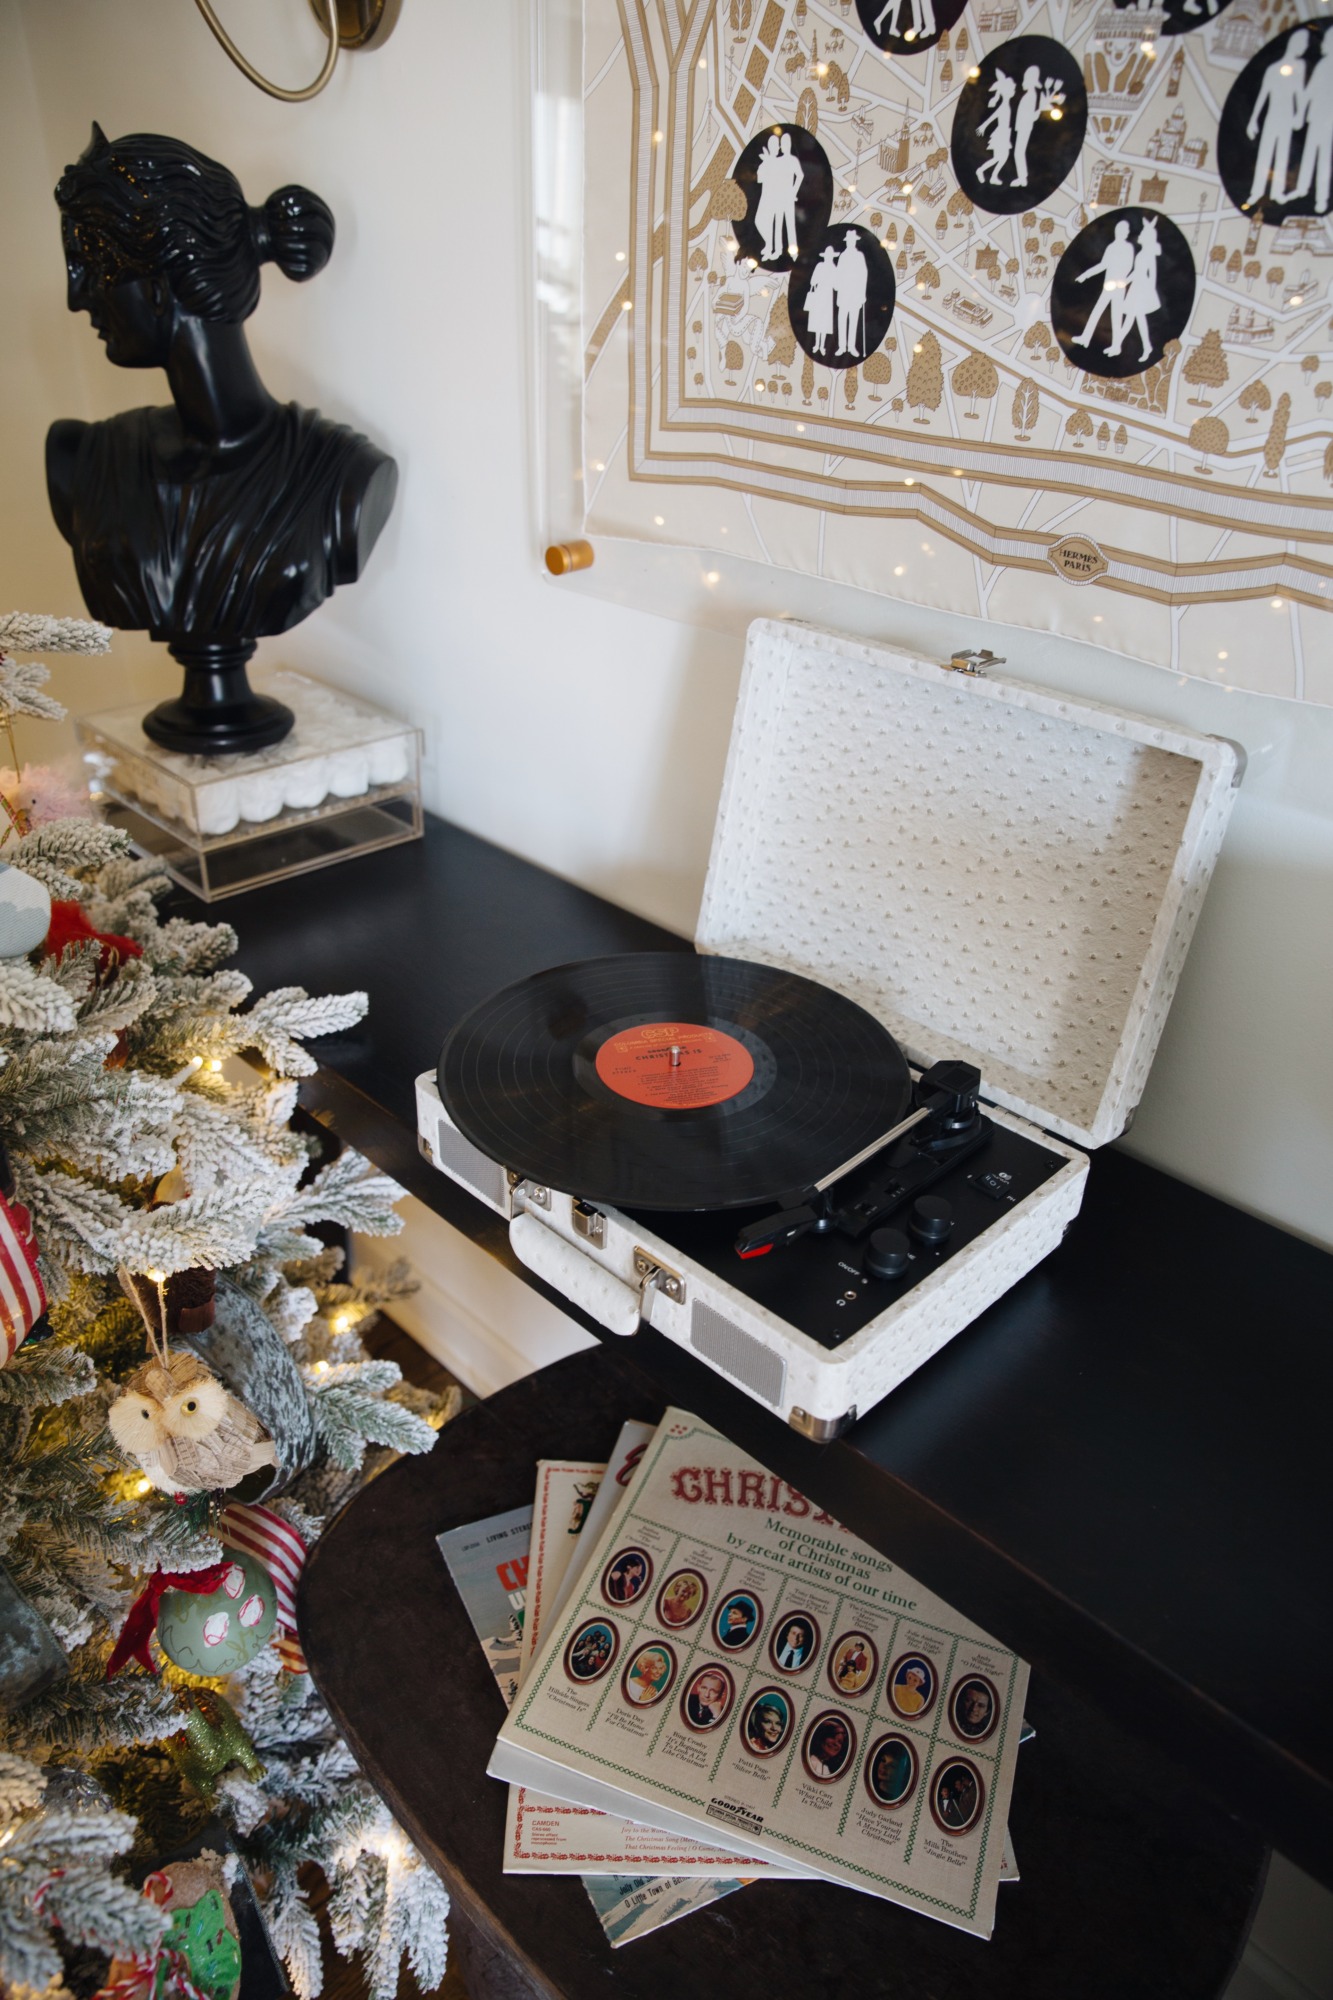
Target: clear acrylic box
(345, 781)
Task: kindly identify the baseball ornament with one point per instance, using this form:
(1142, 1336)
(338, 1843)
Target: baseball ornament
(215, 1632)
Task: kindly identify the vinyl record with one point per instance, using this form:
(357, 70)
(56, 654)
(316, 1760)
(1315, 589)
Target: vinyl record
(662, 1080)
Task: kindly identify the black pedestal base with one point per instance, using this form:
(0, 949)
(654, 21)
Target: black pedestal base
(217, 713)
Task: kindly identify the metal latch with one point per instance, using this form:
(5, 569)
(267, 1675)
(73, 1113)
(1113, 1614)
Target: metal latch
(589, 1223)
(650, 1273)
(977, 663)
(821, 1430)
(528, 1194)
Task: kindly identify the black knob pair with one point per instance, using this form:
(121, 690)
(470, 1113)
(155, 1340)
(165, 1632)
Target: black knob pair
(888, 1250)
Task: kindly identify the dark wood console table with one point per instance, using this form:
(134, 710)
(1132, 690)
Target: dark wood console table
(1120, 1469)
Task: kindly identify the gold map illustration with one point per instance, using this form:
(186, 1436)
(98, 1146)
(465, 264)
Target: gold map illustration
(1183, 515)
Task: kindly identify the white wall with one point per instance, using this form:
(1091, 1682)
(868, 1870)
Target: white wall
(588, 734)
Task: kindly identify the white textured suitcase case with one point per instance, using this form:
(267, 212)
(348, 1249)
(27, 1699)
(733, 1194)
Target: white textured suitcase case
(1000, 875)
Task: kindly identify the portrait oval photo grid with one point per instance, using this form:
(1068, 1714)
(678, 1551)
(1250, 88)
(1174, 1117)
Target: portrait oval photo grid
(891, 1770)
(787, 182)
(591, 1651)
(1123, 290)
(974, 1708)
(627, 1576)
(853, 1663)
(1019, 124)
(794, 1646)
(912, 1685)
(681, 1600)
(766, 1722)
(649, 1675)
(840, 301)
(1275, 137)
(738, 1620)
(708, 1697)
(957, 1796)
(907, 27)
(828, 1747)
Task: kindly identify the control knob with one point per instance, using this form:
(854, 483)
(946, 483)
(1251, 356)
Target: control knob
(887, 1253)
(931, 1221)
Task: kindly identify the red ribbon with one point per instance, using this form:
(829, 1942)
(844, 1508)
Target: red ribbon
(141, 1624)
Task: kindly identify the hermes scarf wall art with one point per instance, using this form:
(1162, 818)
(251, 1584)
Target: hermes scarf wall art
(1019, 309)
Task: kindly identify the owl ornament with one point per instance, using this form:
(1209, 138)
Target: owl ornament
(182, 1428)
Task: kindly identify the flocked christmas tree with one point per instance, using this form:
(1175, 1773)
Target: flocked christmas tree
(176, 1424)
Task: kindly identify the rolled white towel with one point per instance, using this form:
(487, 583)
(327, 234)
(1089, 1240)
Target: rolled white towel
(388, 760)
(306, 783)
(349, 774)
(218, 807)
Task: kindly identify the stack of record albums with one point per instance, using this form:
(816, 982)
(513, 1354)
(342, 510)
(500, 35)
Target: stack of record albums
(710, 1681)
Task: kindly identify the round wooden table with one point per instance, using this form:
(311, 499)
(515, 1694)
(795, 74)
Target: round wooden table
(1136, 1882)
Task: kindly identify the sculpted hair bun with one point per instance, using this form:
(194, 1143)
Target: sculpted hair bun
(296, 233)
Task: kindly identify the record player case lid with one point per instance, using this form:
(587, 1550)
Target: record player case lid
(997, 872)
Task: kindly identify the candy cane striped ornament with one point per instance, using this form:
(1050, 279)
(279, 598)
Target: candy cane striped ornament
(259, 1532)
(22, 1297)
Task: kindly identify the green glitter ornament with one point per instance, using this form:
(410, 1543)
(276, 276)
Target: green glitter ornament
(211, 1740)
(223, 1629)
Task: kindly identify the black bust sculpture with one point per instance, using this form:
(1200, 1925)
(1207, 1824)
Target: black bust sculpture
(225, 516)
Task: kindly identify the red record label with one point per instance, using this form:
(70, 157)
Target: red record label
(674, 1065)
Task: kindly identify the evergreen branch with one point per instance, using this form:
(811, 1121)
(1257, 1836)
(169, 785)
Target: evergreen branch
(122, 1000)
(21, 684)
(185, 948)
(122, 1132)
(32, 632)
(47, 1076)
(75, 843)
(86, 1712)
(295, 1933)
(44, 1373)
(93, 1907)
(21, 1786)
(29, 1962)
(274, 1024)
(32, 1001)
(59, 1838)
(91, 1229)
(57, 881)
(346, 1194)
(349, 1418)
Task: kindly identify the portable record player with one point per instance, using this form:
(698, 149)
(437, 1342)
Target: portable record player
(943, 921)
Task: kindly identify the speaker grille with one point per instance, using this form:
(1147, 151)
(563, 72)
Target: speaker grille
(738, 1353)
(467, 1163)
